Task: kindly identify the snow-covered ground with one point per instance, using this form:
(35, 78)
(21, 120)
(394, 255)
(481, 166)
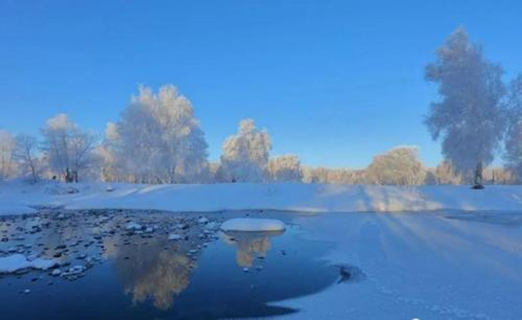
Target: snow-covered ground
(424, 266)
(462, 260)
(19, 197)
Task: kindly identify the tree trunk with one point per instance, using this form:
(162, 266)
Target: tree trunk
(478, 177)
(68, 176)
(33, 172)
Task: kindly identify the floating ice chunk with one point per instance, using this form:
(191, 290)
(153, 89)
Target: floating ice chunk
(252, 224)
(202, 220)
(17, 262)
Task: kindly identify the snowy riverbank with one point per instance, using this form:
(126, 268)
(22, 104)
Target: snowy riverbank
(18, 197)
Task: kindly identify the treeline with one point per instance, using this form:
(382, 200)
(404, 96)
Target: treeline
(443, 174)
(140, 149)
(158, 139)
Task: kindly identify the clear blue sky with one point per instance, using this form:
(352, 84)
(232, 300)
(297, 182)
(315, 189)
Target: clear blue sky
(332, 81)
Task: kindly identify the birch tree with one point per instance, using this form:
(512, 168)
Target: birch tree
(26, 156)
(67, 147)
(467, 118)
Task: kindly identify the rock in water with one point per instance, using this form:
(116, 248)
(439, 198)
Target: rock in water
(175, 237)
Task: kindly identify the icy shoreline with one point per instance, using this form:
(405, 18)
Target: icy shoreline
(18, 197)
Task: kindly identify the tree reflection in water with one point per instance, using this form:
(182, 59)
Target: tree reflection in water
(158, 271)
(249, 245)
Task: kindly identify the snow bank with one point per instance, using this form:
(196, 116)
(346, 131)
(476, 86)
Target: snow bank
(251, 225)
(17, 262)
(17, 197)
(417, 266)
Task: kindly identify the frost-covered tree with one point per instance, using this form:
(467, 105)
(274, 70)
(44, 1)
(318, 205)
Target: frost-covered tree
(286, 168)
(334, 175)
(245, 154)
(513, 141)
(7, 147)
(26, 156)
(110, 169)
(445, 174)
(399, 166)
(499, 176)
(67, 147)
(468, 118)
(160, 139)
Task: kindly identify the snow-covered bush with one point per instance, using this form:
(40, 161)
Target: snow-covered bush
(400, 166)
(245, 154)
(286, 168)
(159, 140)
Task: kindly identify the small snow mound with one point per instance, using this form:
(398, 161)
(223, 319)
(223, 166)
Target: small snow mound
(252, 225)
